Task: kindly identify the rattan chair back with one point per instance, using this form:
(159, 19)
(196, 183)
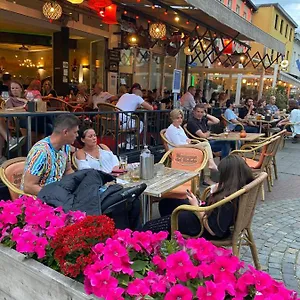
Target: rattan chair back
(11, 173)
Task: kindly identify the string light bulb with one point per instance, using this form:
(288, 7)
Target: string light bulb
(176, 19)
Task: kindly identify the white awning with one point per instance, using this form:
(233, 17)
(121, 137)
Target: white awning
(283, 76)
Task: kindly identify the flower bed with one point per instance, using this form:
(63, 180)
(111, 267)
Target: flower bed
(117, 264)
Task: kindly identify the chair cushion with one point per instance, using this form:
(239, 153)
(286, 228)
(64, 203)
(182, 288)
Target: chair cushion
(252, 163)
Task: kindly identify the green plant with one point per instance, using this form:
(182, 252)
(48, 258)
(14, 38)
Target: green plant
(281, 96)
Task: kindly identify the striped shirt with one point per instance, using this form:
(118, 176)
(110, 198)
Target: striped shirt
(44, 161)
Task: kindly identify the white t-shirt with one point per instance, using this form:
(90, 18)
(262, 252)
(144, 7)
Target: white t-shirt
(176, 136)
(101, 98)
(106, 162)
(188, 101)
(295, 118)
(128, 102)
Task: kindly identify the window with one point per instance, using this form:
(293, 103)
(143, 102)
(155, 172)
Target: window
(245, 15)
(281, 26)
(286, 30)
(291, 34)
(229, 4)
(238, 9)
(276, 22)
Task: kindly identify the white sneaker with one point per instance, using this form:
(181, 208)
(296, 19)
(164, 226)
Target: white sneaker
(129, 146)
(122, 145)
(14, 142)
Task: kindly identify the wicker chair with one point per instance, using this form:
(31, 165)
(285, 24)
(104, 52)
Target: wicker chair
(60, 104)
(229, 122)
(167, 143)
(189, 134)
(108, 123)
(241, 233)
(102, 146)
(252, 145)
(267, 151)
(188, 159)
(11, 173)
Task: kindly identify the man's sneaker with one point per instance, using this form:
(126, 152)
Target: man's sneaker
(2, 160)
(14, 142)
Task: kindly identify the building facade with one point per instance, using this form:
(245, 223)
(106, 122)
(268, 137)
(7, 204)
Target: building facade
(274, 20)
(245, 9)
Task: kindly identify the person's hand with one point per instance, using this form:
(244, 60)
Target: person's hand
(188, 141)
(251, 106)
(192, 199)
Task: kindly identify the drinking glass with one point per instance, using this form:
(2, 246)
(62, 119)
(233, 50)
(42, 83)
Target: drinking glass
(5, 96)
(226, 131)
(160, 169)
(29, 96)
(135, 174)
(123, 162)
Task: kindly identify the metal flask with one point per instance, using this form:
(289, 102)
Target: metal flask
(146, 164)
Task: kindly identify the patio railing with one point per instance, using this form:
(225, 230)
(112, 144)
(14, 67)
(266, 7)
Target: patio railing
(123, 132)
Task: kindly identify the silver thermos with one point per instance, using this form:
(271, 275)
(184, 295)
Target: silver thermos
(146, 164)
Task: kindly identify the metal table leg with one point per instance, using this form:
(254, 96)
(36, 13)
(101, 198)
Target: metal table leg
(29, 137)
(145, 208)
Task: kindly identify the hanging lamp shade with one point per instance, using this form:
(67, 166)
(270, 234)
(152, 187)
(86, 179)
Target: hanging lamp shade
(52, 10)
(157, 30)
(98, 4)
(229, 49)
(75, 1)
(110, 14)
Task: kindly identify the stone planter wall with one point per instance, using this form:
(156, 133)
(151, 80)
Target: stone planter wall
(27, 279)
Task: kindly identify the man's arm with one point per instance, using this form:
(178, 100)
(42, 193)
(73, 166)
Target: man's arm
(212, 120)
(147, 106)
(31, 184)
(69, 169)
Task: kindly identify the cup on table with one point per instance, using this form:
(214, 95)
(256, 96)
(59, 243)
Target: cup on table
(123, 162)
(135, 174)
(160, 169)
(226, 131)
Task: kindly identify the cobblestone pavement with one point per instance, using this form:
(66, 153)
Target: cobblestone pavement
(276, 224)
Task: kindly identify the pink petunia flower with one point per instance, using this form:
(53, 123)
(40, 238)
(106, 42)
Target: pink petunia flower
(138, 288)
(178, 266)
(25, 243)
(179, 292)
(211, 291)
(10, 213)
(159, 262)
(40, 247)
(102, 283)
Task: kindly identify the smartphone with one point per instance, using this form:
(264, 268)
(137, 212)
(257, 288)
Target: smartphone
(189, 193)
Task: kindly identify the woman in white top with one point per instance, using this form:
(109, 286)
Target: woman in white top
(293, 118)
(176, 135)
(91, 156)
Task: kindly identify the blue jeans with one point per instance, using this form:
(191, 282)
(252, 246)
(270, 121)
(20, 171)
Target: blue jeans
(248, 129)
(220, 146)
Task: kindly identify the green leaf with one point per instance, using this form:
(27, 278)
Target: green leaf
(123, 279)
(138, 275)
(139, 265)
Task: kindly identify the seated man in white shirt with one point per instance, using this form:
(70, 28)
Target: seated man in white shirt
(187, 101)
(130, 102)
